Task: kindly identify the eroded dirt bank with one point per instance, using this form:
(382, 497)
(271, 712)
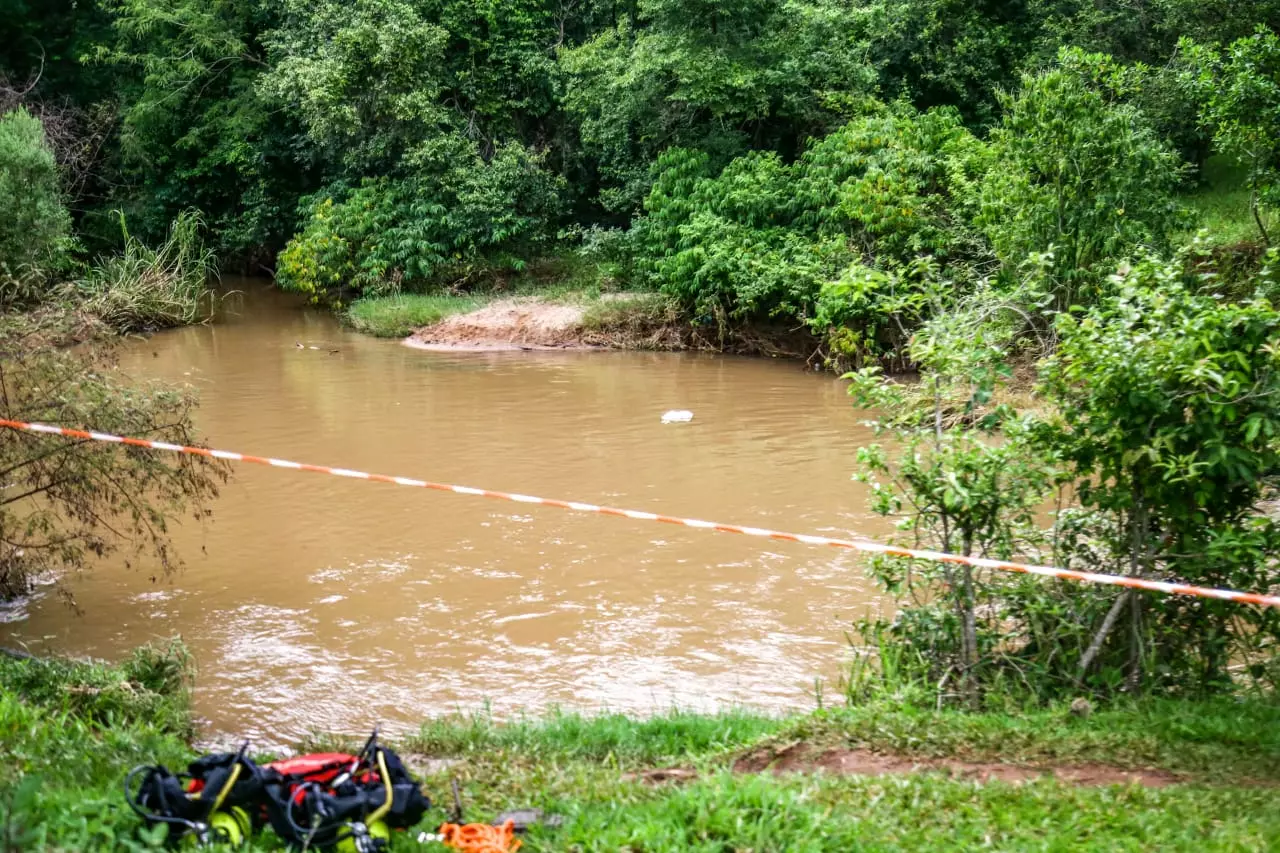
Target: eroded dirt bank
(614, 321)
(508, 324)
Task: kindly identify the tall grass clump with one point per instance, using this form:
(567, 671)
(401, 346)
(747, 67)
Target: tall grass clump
(152, 686)
(145, 288)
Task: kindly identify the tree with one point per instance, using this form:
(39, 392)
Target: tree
(952, 488)
(196, 132)
(1239, 93)
(1079, 173)
(499, 64)
(34, 223)
(719, 77)
(952, 53)
(364, 77)
(63, 501)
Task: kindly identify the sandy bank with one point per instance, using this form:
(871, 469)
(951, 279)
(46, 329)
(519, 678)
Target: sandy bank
(509, 324)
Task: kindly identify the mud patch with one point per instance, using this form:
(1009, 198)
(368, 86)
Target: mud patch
(509, 324)
(802, 758)
(661, 775)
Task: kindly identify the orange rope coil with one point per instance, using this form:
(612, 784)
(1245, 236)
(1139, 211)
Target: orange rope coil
(481, 837)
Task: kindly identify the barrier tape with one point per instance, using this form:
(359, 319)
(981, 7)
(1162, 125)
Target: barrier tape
(638, 515)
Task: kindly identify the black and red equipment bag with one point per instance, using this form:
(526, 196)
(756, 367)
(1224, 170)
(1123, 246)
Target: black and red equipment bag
(324, 801)
(337, 800)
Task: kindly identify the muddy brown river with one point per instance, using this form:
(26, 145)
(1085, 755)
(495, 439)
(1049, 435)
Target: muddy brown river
(321, 603)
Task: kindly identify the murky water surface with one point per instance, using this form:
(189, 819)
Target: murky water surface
(316, 602)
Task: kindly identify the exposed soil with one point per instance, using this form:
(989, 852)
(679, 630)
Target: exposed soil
(803, 758)
(509, 324)
(662, 774)
(529, 323)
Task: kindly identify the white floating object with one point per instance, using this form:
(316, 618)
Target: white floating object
(677, 416)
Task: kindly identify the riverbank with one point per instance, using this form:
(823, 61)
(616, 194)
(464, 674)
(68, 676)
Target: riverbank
(560, 302)
(562, 320)
(635, 321)
(885, 775)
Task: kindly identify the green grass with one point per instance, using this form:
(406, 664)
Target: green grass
(578, 768)
(70, 731)
(722, 812)
(1213, 741)
(1220, 740)
(608, 737)
(397, 316)
(1221, 206)
(77, 728)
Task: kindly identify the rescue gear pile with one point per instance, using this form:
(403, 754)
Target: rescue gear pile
(326, 801)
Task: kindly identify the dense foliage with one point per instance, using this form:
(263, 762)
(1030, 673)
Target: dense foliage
(1240, 91)
(1161, 426)
(480, 133)
(763, 237)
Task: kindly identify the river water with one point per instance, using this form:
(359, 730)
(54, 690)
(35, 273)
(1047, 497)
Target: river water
(321, 603)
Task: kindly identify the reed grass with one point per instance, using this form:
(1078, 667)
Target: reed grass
(145, 288)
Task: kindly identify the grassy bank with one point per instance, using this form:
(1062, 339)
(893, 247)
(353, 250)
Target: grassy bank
(71, 731)
(398, 315)
(561, 280)
(600, 316)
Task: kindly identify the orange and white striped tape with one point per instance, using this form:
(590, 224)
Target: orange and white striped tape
(638, 515)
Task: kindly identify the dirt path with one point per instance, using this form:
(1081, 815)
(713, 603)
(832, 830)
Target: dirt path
(809, 758)
(509, 324)
(803, 758)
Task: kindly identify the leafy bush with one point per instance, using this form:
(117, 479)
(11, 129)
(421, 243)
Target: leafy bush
(1164, 414)
(1168, 407)
(868, 313)
(34, 223)
(952, 488)
(392, 233)
(894, 183)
